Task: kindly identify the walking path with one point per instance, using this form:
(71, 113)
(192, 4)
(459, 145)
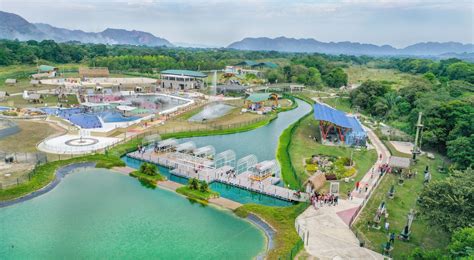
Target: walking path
(326, 231)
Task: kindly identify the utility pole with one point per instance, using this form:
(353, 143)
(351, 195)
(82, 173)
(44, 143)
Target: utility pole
(416, 146)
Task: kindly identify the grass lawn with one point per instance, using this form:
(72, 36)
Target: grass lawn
(197, 194)
(282, 219)
(423, 235)
(360, 74)
(32, 132)
(303, 146)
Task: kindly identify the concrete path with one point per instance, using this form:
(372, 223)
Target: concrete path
(326, 230)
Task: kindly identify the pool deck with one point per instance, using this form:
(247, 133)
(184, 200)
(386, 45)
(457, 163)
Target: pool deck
(184, 167)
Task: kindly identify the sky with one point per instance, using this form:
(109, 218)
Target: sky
(221, 22)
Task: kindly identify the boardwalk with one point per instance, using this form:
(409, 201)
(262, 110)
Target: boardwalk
(188, 166)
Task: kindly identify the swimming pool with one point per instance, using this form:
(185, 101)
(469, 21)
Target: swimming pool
(4, 108)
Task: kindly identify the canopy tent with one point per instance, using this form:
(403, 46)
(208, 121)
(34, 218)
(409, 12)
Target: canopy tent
(348, 128)
(246, 163)
(224, 158)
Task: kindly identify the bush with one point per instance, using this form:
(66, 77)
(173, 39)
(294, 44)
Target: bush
(148, 169)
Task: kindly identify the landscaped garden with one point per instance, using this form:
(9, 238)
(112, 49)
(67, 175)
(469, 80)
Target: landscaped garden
(305, 143)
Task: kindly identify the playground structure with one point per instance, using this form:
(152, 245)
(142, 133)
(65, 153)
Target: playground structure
(256, 102)
(203, 163)
(336, 127)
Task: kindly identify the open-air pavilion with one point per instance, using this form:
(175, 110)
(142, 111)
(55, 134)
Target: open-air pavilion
(337, 127)
(256, 101)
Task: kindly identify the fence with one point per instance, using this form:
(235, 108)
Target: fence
(17, 168)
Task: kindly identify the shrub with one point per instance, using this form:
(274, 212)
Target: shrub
(311, 167)
(148, 169)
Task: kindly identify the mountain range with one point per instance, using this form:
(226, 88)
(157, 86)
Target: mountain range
(284, 44)
(13, 26)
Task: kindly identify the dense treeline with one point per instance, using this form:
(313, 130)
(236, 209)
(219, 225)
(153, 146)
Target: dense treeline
(449, 69)
(448, 113)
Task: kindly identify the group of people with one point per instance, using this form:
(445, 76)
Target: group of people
(322, 199)
(141, 149)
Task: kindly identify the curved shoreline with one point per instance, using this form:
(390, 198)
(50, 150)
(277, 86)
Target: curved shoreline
(58, 176)
(65, 170)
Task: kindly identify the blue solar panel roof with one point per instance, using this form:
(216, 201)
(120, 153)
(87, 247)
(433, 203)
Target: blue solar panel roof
(327, 113)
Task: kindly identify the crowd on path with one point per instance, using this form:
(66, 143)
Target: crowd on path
(322, 199)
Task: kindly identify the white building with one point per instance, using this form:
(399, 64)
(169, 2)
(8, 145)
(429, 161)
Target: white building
(182, 79)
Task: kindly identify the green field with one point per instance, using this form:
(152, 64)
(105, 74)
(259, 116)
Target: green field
(360, 74)
(423, 234)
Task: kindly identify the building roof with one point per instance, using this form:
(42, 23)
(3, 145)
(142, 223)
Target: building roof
(46, 68)
(10, 81)
(266, 64)
(258, 97)
(324, 112)
(247, 63)
(399, 162)
(189, 73)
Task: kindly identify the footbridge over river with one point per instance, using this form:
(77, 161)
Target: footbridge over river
(188, 161)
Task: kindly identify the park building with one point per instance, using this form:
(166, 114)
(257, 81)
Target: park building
(45, 71)
(339, 128)
(182, 79)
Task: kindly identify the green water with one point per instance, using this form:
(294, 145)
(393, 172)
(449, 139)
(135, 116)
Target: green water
(97, 214)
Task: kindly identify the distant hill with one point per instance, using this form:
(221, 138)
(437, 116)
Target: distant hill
(13, 26)
(353, 48)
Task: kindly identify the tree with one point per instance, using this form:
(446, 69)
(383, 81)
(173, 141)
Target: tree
(194, 184)
(462, 243)
(336, 78)
(148, 169)
(461, 247)
(461, 151)
(204, 187)
(449, 203)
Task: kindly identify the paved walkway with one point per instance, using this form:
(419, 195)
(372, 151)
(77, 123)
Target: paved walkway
(326, 231)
